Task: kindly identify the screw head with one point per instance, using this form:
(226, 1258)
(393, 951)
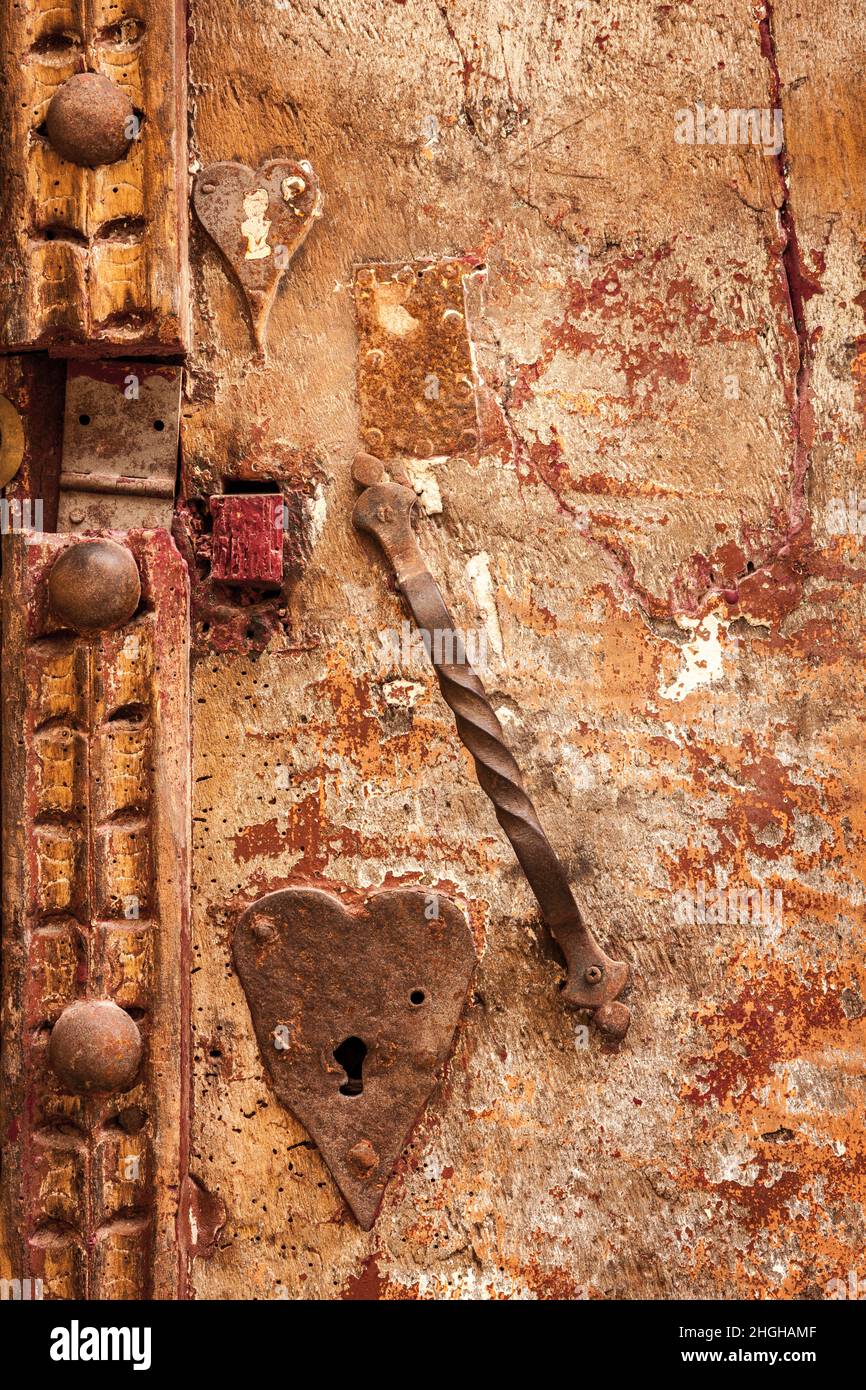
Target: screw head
(94, 586)
(592, 974)
(95, 1046)
(88, 120)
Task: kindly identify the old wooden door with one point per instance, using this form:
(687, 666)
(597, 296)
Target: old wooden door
(588, 278)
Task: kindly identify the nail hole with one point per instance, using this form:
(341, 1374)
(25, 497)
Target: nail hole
(350, 1054)
(159, 424)
(417, 996)
(84, 419)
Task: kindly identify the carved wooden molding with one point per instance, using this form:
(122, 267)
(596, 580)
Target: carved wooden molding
(95, 906)
(94, 258)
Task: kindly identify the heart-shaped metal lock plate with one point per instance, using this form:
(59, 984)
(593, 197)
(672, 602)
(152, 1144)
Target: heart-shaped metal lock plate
(258, 218)
(355, 1014)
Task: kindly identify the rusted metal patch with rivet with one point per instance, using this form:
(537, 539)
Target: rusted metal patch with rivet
(355, 1014)
(120, 441)
(416, 381)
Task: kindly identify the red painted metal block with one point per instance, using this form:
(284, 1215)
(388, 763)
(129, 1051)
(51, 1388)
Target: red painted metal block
(247, 539)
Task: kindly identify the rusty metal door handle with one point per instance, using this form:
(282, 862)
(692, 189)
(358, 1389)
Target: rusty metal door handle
(594, 981)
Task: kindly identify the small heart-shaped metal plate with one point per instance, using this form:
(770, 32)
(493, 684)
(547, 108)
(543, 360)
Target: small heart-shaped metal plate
(355, 1013)
(258, 219)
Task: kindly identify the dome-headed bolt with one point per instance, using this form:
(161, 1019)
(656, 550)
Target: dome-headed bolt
(363, 1158)
(90, 120)
(95, 1046)
(94, 586)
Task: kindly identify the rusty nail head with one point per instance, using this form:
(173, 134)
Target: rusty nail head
(94, 586)
(95, 1046)
(90, 120)
(363, 1158)
(592, 974)
(368, 470)
(612, 1020)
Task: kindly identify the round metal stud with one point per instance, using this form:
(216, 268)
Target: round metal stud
(95, 1046)
(94, 586)
(90, 120)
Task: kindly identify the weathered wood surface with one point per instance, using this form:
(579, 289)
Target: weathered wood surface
(672, 391)
(94, 259)
(95, 905)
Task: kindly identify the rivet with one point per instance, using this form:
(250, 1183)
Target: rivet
(89, 119)
(375, 357)
(468, 438)
(291, 187)
(368, 471)
(94, 586)
(95, 1046)
(452, 318)
(374, 437)
(363, 1158)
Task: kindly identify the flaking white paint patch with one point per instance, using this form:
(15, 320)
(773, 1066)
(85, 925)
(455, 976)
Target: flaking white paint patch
(403, 694)
(702, 656)
(481, 583)
(317, 511)
(426, 486)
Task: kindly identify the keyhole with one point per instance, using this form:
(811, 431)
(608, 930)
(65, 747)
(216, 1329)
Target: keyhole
(350, 1054)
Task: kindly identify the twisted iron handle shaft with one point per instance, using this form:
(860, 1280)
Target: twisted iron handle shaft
(594, 981)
